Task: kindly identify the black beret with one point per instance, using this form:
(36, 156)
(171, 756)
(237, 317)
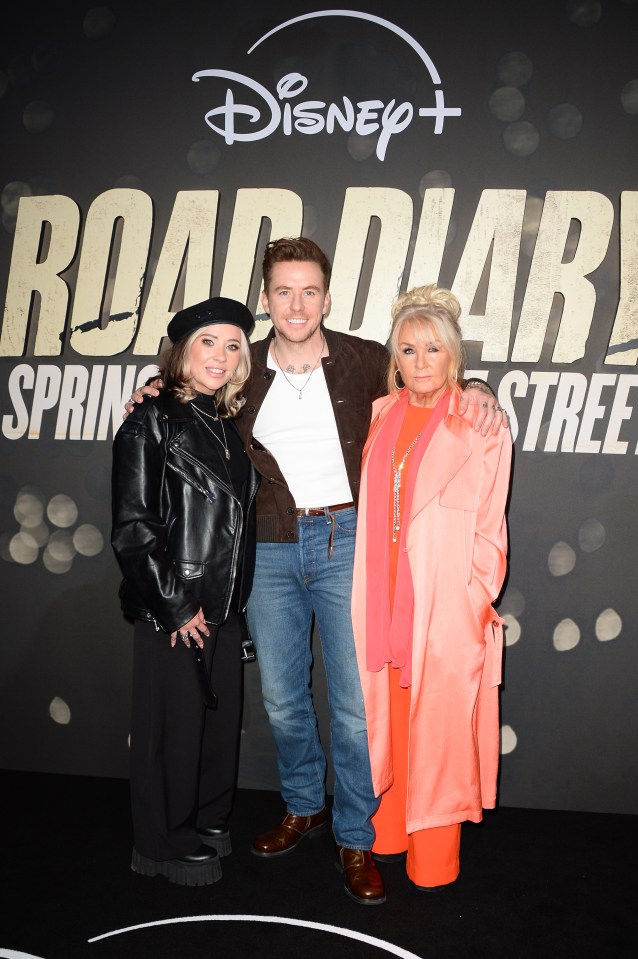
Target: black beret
(219, 309)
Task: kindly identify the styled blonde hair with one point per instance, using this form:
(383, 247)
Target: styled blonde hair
(177, 375)
(428, 308)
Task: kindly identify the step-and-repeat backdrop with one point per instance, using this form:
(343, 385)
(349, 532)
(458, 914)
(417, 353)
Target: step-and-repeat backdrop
(149, 153)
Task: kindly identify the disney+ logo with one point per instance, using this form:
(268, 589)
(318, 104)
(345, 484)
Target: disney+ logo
(365, 117)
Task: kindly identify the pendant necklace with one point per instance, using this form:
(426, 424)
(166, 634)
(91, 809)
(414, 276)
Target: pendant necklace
(396, 488)
(200, 415)
(283, 372)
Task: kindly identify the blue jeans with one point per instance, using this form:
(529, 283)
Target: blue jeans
(293, 581)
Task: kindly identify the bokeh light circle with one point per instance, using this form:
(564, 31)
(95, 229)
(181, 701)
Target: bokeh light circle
(62, 510)
(88, 540)
(434, 179)
(521, 139)
(60, 546)
(565, 121)
(54, 565)
(361, 147)
(59, 711)
(507, 104)
(591, 535)
(512, 630)
(561, 559)
(608, 625)
(23, 548)
(509, 740)
(513, 602)
(11, 196)
(584, 13)
(566, 636)
(203, 157)
(29, 507)
(40, 533)
(515, 69)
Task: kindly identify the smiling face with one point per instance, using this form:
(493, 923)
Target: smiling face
(214, 355)
(424, 363)
(296, 300)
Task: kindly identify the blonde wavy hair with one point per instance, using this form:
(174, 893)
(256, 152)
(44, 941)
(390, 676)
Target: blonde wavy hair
(430, 309)
(177, 375)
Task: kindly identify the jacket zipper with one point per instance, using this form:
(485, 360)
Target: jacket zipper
(211, 499)
(191, 482)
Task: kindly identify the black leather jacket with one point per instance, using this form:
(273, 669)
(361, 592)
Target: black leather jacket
(180, 534)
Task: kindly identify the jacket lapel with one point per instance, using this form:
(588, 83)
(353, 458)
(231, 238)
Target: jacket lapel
(380, 410)
(196, 443)
(447, 453)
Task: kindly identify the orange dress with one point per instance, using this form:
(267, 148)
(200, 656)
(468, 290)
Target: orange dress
(432, 854)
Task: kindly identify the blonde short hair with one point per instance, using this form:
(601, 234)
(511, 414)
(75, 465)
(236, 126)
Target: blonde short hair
(177, 375)
(428, 308)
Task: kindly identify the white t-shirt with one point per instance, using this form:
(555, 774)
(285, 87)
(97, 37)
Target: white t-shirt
(302, 436)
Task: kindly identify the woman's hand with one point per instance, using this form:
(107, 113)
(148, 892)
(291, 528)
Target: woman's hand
(151, 389)
(490, 416)
(191, 630)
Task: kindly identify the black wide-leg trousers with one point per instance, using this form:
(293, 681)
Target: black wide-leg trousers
(184, 755)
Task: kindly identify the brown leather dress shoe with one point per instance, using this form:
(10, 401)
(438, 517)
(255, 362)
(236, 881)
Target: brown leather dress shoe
(287, 836)
(362, 880)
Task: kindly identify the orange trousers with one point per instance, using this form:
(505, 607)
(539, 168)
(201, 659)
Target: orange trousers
(432, 854)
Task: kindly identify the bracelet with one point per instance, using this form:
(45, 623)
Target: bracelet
(480, 385)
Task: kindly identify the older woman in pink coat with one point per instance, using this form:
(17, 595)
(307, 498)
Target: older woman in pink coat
(430, 561)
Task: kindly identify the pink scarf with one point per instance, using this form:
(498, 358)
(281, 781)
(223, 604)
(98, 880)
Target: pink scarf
(389, 638)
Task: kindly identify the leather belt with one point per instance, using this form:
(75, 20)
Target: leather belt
(321, 510)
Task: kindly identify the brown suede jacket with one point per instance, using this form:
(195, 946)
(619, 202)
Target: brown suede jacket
(355, 372)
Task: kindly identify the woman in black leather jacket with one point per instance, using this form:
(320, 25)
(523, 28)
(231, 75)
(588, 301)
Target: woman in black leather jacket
(183, 534)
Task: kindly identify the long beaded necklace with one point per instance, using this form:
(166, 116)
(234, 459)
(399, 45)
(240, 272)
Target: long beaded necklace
(217, 419)
(297, 388)
(396, 487)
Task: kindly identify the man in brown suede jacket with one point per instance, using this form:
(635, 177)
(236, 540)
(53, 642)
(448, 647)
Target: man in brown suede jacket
(305, 421)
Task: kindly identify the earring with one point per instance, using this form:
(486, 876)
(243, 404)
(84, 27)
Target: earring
(399, 387)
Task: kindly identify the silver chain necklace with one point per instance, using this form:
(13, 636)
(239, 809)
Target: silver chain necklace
(283, 372)
(200, 415)
(396, 487)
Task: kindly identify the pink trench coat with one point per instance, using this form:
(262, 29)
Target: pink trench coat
(457, 549)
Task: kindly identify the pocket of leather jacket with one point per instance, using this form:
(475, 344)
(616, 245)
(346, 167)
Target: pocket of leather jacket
(188, 571)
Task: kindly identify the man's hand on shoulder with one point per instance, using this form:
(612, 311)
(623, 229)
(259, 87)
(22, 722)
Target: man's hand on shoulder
(477, 402)
(152, 388)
